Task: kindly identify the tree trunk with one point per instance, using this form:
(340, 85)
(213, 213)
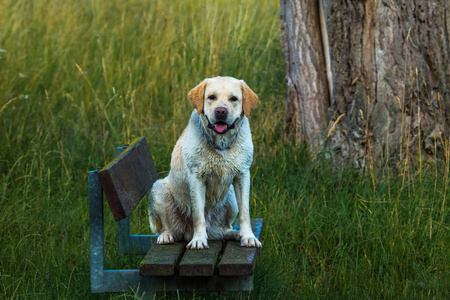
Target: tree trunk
(391, 69)
(308, 96)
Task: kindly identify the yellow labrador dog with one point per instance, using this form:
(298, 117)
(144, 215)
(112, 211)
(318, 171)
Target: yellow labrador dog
(209, 179)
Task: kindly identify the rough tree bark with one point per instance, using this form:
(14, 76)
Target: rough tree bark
(390, 61)
(308, 96)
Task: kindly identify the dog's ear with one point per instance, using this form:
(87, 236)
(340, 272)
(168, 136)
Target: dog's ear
(249, 99)
(197, 95)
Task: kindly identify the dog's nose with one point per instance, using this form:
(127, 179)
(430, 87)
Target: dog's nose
(221, 113)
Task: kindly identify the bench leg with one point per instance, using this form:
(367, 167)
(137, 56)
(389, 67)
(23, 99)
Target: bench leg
(96, 232)
(123, 236)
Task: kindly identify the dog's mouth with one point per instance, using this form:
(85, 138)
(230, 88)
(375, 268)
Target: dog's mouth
(221, 127)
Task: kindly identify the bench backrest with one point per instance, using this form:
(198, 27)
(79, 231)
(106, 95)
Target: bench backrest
(128, 178)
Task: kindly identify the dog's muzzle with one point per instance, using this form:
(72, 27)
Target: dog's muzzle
(220, 127)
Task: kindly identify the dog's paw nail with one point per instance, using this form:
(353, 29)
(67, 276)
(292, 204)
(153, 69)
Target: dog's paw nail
(250, 242)
(198, 244)
(165, 238)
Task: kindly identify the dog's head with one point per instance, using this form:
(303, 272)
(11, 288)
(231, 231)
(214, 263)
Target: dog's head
(223, 101)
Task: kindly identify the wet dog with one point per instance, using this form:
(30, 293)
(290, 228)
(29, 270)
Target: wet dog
(209, 179)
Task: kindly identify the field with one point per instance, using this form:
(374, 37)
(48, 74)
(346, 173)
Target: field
(79, 78)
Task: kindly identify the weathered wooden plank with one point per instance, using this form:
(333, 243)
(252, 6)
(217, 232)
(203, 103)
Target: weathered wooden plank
(162, 260)
(128, 178)
(201, 262)
(238, 260)
(130, 280)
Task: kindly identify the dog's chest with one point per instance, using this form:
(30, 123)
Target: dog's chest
(218, 168)
(217, 185)
(218, 171)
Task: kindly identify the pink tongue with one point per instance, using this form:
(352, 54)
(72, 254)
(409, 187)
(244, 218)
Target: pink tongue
(220, 127)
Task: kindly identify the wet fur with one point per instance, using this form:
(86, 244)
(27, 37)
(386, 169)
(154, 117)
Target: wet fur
(198, 200)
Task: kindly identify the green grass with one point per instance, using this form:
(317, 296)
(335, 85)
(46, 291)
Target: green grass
(85, 77)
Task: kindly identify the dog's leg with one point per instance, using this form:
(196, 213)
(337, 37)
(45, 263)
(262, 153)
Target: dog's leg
(157, 212)
(241, 185)
(197, 193)
(231, 211)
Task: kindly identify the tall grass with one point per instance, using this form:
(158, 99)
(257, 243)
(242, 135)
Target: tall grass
(78, 79)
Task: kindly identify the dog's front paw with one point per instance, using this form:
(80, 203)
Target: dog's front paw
(198, 243)
(165, 238)
(231, 234)
(250, 241)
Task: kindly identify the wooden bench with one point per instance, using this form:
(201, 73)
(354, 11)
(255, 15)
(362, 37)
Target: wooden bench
(225, 266)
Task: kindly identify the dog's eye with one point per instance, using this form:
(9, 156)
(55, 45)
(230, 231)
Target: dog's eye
(212, 97)
(233, 99)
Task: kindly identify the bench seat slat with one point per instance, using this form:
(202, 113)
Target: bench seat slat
(238, 260)
(162, 260)
(201, 262)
